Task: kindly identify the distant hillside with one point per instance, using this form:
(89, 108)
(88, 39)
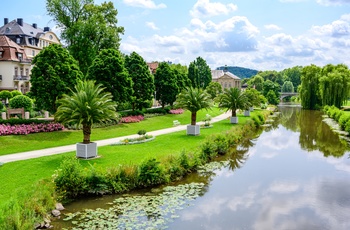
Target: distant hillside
(239, 71)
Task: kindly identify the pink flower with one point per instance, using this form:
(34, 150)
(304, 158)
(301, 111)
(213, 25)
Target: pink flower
(176, 111)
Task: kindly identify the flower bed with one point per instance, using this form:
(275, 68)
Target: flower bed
(132, 119)
(176, 111)
(31, 128)
(137, 140)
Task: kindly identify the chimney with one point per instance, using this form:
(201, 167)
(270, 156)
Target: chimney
(35, 25)
(6, 21)
(46, 29)
(20, 21)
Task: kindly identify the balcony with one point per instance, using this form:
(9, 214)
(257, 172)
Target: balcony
(25, 61)
(20, 78)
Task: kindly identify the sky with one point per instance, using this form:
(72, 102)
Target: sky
(256, 34)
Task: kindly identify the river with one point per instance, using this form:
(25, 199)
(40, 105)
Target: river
(295, 175)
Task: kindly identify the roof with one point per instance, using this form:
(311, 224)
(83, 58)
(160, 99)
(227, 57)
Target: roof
(13, 28)
(216, 74)
(153, 66)
(10, 48)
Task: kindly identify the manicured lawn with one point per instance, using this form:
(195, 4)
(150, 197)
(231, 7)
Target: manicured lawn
(22, 174)
(22, 143)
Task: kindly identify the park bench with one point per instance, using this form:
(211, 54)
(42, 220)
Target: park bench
(176, 123)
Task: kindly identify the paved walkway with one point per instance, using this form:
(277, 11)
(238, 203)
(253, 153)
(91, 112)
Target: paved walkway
(70, 148)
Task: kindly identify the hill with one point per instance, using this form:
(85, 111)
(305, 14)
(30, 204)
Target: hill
(239, 71)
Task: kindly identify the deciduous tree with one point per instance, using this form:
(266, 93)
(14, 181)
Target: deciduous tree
(166, 86)
(199, 73)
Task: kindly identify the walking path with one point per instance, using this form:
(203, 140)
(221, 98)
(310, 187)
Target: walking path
(70, 148)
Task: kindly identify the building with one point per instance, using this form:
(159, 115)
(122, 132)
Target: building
(153, 66)
(27, 40)
(226, 79)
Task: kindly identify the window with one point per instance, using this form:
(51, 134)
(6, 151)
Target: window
(1, 54)
(18, 40)
(33, 53)
(27, 72)
(21, 71)
(16, 71)
(19, 55)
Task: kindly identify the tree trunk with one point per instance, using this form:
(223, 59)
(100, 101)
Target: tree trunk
(193, 118)
(86, 132)
(234, 114)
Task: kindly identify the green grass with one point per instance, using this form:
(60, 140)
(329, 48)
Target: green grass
(23, 143)
(21, 175)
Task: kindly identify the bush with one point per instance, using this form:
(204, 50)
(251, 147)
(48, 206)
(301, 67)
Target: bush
(132, 119)
(156, 110)
(5, 94)
(122, 179)
(207, 151)
(151, 173)
(221, 144)
(131, 113)
(15, 93)
(141, 132)
(343, 120)
(69, 179)
(21, 101)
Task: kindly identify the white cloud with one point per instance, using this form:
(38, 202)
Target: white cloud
(333, 2)
(149, 4)
(272, 27)
(152, 25)
(168, 40)
(205, 8)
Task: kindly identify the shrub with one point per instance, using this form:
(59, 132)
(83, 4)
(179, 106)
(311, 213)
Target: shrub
(122, 178)
(176, 111)
(15, 93)
(221, 144)
(20, 101)
(15, 121)
(150, 173)
(69, 179)
(141, 132)
(132, 119)
(347, 126)
(156, 111)
(27, 129)
(131, 113)
(207, 151)
(5, 94)
(344, 118)
(97, 182)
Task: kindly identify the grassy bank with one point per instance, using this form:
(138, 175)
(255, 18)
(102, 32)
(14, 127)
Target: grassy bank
(35, 141)
(20, 176)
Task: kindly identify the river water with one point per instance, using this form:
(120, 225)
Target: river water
(295, 175)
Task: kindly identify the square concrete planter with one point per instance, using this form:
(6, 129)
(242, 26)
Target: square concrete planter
(234, 120)
(86, 150)
(247, 113)
(193, 130)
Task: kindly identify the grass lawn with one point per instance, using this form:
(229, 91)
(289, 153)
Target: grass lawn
(22, 143)
(22, 174)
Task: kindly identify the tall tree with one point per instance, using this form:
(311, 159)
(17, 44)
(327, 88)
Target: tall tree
(214, 89)
(165, 82)
(109, 70)
(86, 27)
(256, 82)
(234, 99)
(199, 73)
(309, 89)
(334, 85)
(143, 81)
(293, 74)
(54, 72)
(270, 85)
(87, 104)
(181, 75)
(287, 87)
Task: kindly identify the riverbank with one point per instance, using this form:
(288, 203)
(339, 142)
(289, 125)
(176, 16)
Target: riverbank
(156, 150)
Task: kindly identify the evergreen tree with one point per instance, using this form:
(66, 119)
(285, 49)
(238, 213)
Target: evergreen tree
(143, 81)
(199, 73)
(55, 71)
(109, 70)
(165, 83)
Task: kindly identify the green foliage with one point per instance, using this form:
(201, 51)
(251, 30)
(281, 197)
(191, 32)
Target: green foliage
(181, 75)
(15, 93)
(151, 173)
(309, 93)
(87, 105)
(272, 98)
(258, 119)
(343, 119)
(293, 75)
(5, 94)
(288, 87)
(86, 28)
(199, 73)
(55, 71)
(221, 144)
(69, 179)
(268, 86)
(193, 100)
(254, 96)
(257, 82)
(233, 99)
(207, 151)
(21, 101)
(239, 71)
(141, 132)
(166, 84)
(16, 121)
(143, 81)
(108, 69)
(214, 89)
(131, 113)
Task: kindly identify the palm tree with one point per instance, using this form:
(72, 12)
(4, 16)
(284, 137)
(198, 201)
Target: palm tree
(87, 104)
(193, 100)
(233, 99)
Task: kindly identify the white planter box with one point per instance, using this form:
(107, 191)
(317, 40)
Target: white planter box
(234, 120)
(86, 150)
(193, 130)
(247, 113)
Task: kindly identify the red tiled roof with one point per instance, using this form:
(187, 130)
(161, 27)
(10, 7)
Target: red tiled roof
(9, 49)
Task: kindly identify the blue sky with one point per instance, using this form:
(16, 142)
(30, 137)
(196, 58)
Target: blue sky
(263, 35)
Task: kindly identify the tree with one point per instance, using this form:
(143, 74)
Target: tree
(309, 93)
(181, 76)
(293, 74)
(143, 81)
(86, 28)
(54, 72)
(21, 101)
(109, 70)
(87, 104)
(193, 100)
(5, 95)
(233, 99)
(165, 82)
(270, 85)
(334, 85)
(199, 73)
(214, 89)
(288, 87)
(272, 98)
(256, 82)
(253, 96)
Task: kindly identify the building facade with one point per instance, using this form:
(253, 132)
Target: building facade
(19, 44)
(226, 79)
